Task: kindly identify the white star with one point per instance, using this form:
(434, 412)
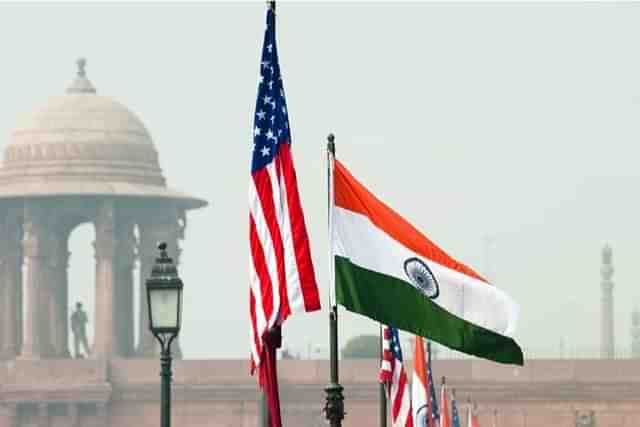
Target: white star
(282, 92)
(279, 132)
(265, 151)
(273, 104)
(261, 80)
(270, 85)
(256, 131)
(266, 99)
(265, 64)
(284, 109)
(270, 135)
(261, 115)
(270, 47)
(273, 118)
(271, 68)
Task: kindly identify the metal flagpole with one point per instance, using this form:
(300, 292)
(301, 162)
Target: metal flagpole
(265, 415)
(383, 393)
(264, 409)
(334, 405)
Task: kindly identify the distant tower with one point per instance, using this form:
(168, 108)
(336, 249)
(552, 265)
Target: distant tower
(607, 338)
(635, 333)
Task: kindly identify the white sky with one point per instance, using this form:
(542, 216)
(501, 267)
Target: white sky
(516, 121)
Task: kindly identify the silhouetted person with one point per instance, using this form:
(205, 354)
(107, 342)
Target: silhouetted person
(79, 328)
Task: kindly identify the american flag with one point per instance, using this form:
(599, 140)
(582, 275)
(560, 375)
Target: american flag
(455, 417)
(435, 414)
(392, 373)
(282, 279)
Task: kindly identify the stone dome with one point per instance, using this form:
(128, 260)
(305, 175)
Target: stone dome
(81, 143)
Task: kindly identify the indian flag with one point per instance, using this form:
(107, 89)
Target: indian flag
(389, 271)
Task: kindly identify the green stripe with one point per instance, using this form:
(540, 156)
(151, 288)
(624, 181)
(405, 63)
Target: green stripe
(395, 302)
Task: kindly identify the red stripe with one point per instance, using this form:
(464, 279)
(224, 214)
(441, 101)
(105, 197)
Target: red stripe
(254, 330)
(300, 239)
(260, 265)
(409, 422)
(285, 307)
(264, 189)
(397, 402)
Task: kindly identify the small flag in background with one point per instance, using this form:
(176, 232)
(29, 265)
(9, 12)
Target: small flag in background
(393, 374)
(473, 416)
(435, 413)
(455, 416)
(444, 403)
(419, 393)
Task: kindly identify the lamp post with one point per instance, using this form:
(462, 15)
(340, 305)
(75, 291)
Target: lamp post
(164, 297)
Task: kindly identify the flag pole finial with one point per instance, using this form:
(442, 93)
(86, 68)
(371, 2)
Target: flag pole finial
(331, 145)
(271, 4)
(444, 380)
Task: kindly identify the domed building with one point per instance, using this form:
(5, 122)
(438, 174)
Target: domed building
(81, 158)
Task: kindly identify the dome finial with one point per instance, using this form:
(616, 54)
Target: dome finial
(81, 83)
(82, 63)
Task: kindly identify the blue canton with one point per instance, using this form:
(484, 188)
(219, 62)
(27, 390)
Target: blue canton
(271, 122)
(395, 344)
(455, 418)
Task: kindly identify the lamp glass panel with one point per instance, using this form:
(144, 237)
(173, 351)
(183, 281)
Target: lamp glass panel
(164, 307)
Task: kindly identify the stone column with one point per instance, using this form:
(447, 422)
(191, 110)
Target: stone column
(123, 291)
(34, 251)
(146, 255)
(105, 246)
(10, 264)
(607, 343)
(59, 290)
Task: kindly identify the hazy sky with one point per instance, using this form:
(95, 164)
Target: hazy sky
(516, 121)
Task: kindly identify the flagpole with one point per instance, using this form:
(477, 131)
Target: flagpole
(383, 393)
(334, 405)
(264, 409)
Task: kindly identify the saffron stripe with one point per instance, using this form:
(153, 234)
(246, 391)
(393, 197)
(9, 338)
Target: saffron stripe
(350, 194)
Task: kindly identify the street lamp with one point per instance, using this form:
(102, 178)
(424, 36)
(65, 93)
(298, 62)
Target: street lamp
(164, 297)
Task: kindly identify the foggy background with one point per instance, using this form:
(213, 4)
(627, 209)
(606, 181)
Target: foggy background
(518, 123)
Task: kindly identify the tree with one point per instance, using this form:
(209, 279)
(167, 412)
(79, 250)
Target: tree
(362, 347)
